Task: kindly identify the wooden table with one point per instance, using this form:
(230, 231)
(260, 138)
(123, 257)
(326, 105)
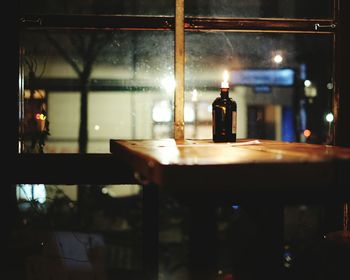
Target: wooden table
(263, 165)
(205, 172)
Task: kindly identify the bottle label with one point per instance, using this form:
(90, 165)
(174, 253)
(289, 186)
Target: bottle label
(234, 122)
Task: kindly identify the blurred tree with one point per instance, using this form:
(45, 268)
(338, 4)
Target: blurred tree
(87, 48)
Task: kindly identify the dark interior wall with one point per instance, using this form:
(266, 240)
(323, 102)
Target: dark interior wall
(342, 104)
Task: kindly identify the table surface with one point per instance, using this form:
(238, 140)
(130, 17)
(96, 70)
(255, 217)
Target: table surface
(248, 164)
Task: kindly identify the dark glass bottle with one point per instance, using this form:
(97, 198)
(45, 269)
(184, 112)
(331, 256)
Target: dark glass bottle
(224, 111)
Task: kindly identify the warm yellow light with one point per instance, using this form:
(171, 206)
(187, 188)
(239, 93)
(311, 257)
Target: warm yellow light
(307, 133)
(40, 116)
(161, 111)
(224, 83)
(225, 76)
(121, 190)
(194, 96)
(189, 114)
(37, 94)
(169, 84)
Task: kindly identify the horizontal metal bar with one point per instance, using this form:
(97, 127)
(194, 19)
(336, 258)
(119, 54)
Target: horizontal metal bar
(259, 24)
(127, 22)
(320, 26)
(118, 22)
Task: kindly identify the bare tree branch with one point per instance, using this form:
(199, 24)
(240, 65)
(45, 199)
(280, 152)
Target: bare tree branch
(43, 70)
(78, 41)
(63, 53)
(35, 65)
(97, 44)
(103, 42)
(87, 48)
(29, 63)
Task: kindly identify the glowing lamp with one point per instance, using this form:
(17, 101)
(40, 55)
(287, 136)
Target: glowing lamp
(307, 83)
(278, 58)
(224, 83)
(329, 117)
(41, 117)
(307, 133)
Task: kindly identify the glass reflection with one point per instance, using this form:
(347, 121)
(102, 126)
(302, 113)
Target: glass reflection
(260, 8)
(95, 86)
(279, 82)
(124, 7)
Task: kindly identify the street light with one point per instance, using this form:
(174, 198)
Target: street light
(278, 58)
(329, 117)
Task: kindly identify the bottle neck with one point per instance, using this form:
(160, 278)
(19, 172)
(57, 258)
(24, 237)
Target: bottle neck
(224, 92)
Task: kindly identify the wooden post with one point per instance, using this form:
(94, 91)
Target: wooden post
(179, 71)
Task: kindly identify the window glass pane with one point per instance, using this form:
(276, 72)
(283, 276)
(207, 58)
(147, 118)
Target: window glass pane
(124, 75)
(132, 7)
(261, 8)
(282, 84)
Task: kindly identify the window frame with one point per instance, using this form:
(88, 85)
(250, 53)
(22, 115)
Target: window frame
(180, 24)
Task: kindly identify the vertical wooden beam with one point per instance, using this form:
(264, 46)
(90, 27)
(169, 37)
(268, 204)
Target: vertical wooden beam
(179, 97)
